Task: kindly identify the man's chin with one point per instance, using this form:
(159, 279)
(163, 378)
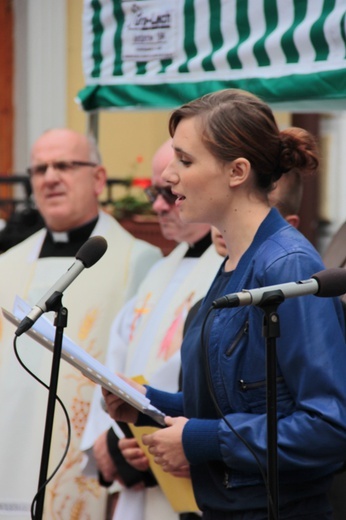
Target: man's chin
(57, 221)
(168, 234)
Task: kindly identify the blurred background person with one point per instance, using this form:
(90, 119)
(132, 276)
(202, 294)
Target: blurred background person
(67, 177)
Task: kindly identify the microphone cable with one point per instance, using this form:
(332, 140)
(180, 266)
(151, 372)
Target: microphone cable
(204, 345)
(68, 423)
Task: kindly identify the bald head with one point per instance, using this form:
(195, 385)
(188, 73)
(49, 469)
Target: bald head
(161, 159)
(56, 135)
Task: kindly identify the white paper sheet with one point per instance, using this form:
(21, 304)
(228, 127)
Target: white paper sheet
(43, 331)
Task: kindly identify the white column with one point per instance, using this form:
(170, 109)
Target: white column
(40, 72)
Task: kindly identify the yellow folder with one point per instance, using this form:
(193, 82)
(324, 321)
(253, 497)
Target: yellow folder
(178, 491)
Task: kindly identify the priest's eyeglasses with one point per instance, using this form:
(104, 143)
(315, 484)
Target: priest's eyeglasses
(152, 192)
(60, 166)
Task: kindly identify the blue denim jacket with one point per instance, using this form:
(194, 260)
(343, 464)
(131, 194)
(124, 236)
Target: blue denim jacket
(311, 381)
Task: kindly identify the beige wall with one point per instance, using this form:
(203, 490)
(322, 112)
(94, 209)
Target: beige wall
(123, 135)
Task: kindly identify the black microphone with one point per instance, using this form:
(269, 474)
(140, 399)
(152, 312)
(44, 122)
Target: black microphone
(87, 255)
(327, 283)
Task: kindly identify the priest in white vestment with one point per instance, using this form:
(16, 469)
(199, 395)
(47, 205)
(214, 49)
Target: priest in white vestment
(67, 178)
(146, 335)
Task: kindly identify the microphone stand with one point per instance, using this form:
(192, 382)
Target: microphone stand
(53, 304)
(270, 331)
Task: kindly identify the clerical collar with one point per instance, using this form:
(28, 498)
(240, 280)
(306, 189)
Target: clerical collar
(66, 243)
(59, 236)
(196, 250)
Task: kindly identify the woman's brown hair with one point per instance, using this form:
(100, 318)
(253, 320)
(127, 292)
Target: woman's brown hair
(235, 123)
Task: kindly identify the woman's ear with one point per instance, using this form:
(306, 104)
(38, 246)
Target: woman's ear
(239, 171)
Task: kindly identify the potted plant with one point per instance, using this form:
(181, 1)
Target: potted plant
(134, 211)
(134, 203)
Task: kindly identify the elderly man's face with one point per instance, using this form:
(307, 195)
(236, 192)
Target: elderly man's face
(66, 191)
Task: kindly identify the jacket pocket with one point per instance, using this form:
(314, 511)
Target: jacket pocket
(245, 387)
(236, 479)
(254, 394)
(244, 330)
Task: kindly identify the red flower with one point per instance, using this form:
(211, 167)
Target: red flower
(141, 183)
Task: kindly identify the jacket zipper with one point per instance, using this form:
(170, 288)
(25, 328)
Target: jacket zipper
(244, 330)
(258, 384)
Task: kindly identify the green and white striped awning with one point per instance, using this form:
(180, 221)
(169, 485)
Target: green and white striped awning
(162, 53)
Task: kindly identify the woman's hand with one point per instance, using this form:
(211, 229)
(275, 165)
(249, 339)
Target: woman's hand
(166, 446)
(119, 409)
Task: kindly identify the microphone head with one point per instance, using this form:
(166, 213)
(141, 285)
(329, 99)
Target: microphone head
(331, 282)
(92, 250)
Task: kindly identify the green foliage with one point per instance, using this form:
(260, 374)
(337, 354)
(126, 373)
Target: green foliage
(130, 205)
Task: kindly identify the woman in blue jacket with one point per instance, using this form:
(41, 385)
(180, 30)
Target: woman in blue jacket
(228, 154)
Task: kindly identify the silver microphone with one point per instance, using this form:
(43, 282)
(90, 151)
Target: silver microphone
(327, 283)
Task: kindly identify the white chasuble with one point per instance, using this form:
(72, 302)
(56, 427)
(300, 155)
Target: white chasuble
(92, 301)
(156, 332)
(160, 311)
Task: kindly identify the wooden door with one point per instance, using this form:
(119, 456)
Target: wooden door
(6, 99)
